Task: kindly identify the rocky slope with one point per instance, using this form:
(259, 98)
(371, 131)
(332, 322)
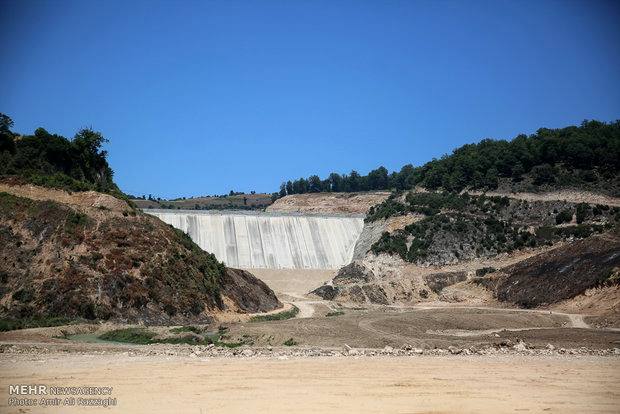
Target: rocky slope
(433, 246)
(89, 255)
(558, 274)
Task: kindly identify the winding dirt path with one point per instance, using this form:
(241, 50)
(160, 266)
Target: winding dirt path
(367, 325)
(574, 320)
(307, 306)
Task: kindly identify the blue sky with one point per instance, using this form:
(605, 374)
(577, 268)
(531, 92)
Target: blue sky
(205, 97)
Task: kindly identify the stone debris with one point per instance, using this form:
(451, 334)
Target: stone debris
(388, 350)
(203, 353)
(454, 350)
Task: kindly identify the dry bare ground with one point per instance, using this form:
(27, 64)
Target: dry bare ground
(84, 199)
(329, 203)
(293, 282)
(456, 384)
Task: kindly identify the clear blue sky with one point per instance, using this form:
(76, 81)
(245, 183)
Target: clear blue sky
(204, 97)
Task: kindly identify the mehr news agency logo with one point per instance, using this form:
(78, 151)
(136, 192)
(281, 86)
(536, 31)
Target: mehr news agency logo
(43, 396)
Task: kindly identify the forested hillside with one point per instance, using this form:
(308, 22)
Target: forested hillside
(52, 160)
(585, 156)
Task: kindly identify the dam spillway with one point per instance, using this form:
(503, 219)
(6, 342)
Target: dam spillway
(269, 240)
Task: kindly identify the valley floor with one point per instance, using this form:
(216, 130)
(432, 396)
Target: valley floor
(433, 357)
(454, 384)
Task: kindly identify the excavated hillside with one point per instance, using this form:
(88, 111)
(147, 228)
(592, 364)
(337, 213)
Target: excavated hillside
(329, 203)
(89, 255)
(435, 246)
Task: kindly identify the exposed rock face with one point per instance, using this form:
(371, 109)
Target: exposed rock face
(327, 292)
(370, 235)
(438, 281)
(105, 261)
(378, 280)
(329, 203)
(249, 293)
(372, 232)
(375, 294)
(354, 273)
(559, 274)
(355, 282)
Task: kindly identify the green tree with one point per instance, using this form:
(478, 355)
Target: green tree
(543, 174)
(354, 181)
(335, 182)
(7, 142)
(314, 184)
(378, 179)
(6, 123)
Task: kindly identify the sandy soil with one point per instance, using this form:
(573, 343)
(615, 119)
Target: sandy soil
(293, 282)
(460, 384)
(602, 304)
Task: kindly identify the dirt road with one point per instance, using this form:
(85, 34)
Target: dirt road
(501, 384)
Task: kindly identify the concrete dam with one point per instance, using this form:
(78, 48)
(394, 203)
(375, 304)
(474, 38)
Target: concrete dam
(269, 240)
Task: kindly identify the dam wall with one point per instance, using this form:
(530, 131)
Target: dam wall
(270, 240)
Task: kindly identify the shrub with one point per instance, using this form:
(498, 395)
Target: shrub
(129, 335)
(388, 208)
(23, 295)
(485, 270)
(180, 329)
(564, 216)
(291, 313)
(582, 212)
(391, 244)
(580, 231)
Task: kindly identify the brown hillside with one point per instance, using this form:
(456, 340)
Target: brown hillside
(64, 254)
(560, 273)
